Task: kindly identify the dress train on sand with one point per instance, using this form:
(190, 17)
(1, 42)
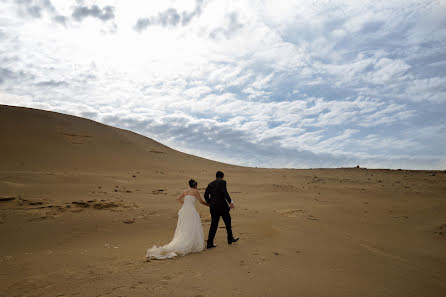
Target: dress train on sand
(188, 237)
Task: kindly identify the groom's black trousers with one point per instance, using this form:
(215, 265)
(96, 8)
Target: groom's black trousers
(216, 213)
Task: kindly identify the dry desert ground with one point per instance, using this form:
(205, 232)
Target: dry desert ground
(81, 202)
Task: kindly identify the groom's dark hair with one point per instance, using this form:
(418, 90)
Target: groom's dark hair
(219, 174)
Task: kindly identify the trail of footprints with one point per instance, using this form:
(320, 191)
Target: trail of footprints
(294, 213)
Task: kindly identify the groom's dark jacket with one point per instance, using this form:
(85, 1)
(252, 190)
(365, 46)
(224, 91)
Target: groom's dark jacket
(217, 195)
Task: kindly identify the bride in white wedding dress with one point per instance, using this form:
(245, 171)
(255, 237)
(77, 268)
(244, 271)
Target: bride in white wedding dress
(188, 237)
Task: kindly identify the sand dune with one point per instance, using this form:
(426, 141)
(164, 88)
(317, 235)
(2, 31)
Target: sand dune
(80, 202)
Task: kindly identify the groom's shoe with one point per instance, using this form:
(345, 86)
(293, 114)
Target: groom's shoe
(230, 241)
(209, 246)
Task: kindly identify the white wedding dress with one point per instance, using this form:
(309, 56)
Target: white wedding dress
(188, 238)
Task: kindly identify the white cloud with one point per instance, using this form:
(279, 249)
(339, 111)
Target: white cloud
(327, 83)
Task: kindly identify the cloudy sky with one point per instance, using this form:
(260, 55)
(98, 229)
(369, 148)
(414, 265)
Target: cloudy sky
(258, 83)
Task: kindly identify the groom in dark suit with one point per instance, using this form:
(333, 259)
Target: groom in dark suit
(220, 203)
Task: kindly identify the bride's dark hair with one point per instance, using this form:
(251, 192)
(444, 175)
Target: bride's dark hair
(192, 183)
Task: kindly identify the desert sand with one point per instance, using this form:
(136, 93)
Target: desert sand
(80, 202)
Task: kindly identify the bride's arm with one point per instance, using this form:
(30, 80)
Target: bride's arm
(200, 199)
(181, 197)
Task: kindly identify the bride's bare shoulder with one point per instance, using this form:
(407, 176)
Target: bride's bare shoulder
(190, 191)
(193, 192)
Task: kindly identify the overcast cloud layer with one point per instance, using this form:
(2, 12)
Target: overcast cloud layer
(258, 83)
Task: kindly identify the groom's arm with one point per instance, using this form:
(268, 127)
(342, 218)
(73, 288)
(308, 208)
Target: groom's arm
(226, 194)
(206, 195)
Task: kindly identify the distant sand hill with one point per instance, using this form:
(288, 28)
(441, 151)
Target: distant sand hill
(80, 202)
(37, 139)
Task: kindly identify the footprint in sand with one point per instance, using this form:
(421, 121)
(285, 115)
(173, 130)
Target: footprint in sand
(22, 201)
(441, 231)
(291, 213)
(129, 221)
(80, 203)
(106, 205)
(400, 217)
(7, 198)
(285, 188)
(312, 218)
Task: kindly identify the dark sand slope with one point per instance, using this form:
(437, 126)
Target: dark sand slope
(80, 202)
